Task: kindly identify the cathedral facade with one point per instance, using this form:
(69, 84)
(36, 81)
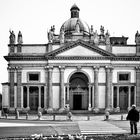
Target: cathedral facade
(78, 69)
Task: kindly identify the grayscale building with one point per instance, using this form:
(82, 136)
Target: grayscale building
(78, 69)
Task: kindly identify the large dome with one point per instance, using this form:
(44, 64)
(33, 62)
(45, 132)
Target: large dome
(70, 25)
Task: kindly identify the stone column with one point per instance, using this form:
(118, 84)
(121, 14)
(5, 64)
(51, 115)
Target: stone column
(46, 101)
(118, 98)
(111, 88)
(11, 86)
(39, 99)
(109, 105)
(50, 96)
(22, 97)
(129, 97)
(67, 93)
(138, 87)
(135, 95)
(96, 94)
(19, 78)
(28, 107)
(62, 97)
(89, 104)
(107, 101)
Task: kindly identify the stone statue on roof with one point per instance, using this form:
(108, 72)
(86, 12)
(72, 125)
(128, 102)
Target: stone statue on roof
(137, 38)
(62, 35)
(12, 37)
(102, 30)
(50, 35)
(91, 30)
(107, 38)
(96, 38)
(19, 40)
(77, 27)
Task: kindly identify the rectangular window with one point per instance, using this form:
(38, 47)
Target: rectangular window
(33, 77)
(123, 77)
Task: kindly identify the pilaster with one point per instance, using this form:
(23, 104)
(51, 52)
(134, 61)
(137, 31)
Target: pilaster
(46, 95)
(138, 86)
(11, 87)
(19, 70)
(28, 107)
(109, 105)
(50, 96)
(129, 97)
(89, 103)
(96, 94)
(39, 103)
(62, 97)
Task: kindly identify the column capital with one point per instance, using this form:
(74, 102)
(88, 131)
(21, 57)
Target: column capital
(109, 67)
(89, 85)
(67, 84)
(137, 68)
(18, 68)
(11, 68)
(61, 68)
(96, 68)
(48, 67)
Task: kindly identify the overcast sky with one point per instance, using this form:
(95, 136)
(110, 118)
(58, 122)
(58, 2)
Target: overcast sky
(35, 17)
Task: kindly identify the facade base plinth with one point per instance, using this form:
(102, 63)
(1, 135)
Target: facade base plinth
(138, 108)
(62, 110)
(49, 110)
(40, 109)
(109, 109)
(128, 108)
(89, 109)
(117, 109)
(96, 110)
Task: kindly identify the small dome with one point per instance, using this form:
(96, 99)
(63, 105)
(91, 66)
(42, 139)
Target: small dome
(75, 23)
(74, 7)
(70, 25)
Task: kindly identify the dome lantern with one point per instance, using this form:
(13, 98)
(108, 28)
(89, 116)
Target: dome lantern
(74, 11)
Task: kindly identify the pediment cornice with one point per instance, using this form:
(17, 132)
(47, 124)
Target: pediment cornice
(81, 43)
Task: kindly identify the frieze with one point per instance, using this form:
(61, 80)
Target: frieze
(35, 58)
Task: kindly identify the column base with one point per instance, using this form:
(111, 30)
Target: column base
(40, 109)
(96, 110)
(128, 108)
(49, 110)
(138, 108)
(109, 109)
(62, 110)
(117, 109)
(89, 108)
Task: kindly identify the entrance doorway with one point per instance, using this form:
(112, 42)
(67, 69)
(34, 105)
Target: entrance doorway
(77, 102)
(78, 97)
(123, 97)
(33, 98)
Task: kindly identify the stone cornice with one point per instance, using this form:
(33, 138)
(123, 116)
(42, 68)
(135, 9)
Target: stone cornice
(82, 43)
(27, 45)
(44, 58)
(18, 58)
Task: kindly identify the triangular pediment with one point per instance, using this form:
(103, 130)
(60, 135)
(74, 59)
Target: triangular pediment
(79, 49)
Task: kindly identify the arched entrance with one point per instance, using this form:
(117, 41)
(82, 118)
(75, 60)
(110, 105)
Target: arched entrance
(78, 91)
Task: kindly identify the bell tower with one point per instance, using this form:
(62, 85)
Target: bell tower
(74, 11)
